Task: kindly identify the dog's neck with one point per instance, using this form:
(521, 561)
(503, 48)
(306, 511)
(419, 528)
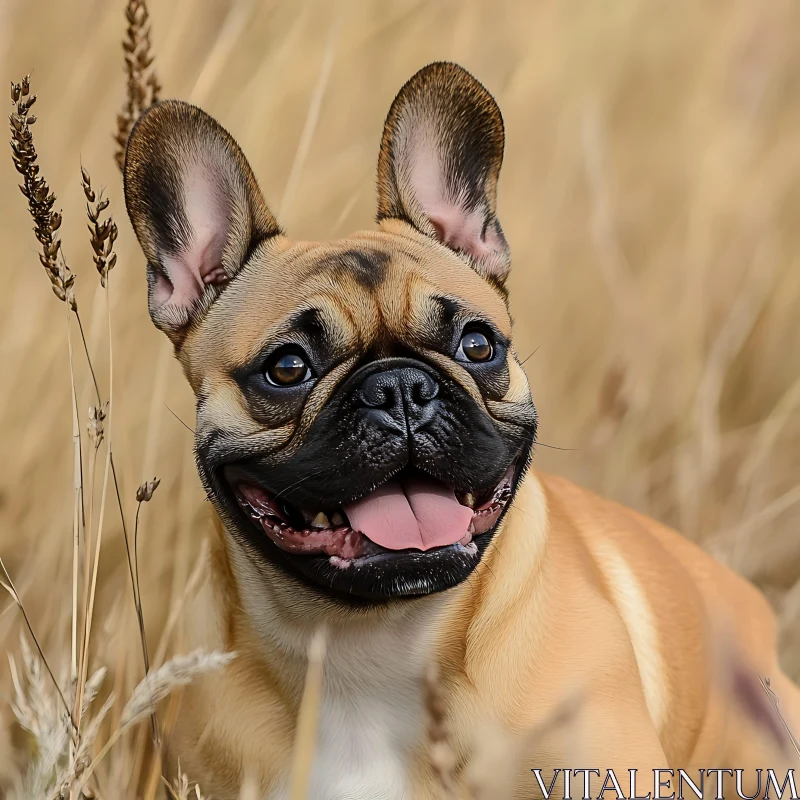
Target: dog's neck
(388, 644)
(376, 661)
(371, 707)
(267, 614)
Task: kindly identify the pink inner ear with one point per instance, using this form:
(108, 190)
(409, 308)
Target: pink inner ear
(462, 231)
(456, 227)
(199, 264)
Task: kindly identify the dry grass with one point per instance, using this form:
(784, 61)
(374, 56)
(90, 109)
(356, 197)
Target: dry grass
(307, 719)
(143, 87)
(650, 195)
(441, 753)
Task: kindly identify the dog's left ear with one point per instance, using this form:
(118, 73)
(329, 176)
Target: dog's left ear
(441, 153)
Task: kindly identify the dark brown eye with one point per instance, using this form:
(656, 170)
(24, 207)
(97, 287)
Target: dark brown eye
(475, 346)
(287, 369)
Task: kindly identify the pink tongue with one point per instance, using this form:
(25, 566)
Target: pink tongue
(412, 514)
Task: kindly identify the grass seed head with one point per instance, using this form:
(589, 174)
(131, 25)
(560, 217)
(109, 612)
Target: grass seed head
(143, 86)
(158, 684)
(103, 232)
(36, 191)
(145, 492)
(96, 416)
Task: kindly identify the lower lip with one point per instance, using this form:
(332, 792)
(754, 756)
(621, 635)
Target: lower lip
(470, 549)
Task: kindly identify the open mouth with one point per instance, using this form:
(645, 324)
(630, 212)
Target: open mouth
(410, 513)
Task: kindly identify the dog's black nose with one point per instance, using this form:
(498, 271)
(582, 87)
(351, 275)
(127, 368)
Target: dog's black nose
(399, 399)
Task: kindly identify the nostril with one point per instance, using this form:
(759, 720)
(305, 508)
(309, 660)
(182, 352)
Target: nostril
(378, 391)
(379, 398)
(425, 390)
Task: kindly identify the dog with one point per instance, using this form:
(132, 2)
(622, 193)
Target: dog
(364, 432)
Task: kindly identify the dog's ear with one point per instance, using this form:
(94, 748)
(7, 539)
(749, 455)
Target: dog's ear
(195, 207)
(441, 153)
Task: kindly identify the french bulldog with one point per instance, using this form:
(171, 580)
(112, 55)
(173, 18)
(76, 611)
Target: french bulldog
(364, 431)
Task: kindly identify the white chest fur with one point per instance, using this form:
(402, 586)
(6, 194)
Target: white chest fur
(371, 718)
(366, 738)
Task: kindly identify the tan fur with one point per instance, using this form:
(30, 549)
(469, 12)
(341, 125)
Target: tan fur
(574, 595)
(543, 617)
(577, 594)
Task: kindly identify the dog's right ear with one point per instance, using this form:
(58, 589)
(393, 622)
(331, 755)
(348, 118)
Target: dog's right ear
(195, 207)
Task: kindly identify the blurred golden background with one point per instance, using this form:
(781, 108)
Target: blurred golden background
(650, 195)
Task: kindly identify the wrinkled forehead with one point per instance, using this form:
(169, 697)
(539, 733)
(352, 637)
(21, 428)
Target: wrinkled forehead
(368, 287)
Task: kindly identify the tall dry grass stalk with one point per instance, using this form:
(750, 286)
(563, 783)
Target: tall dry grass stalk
(776, 705)
(441, 753)
(143, 86)
(46, 223)
(182, 789)
(102, 237)
(103, 234)
(499, 756)
(306, 732)
(8, 585)
(65, 737)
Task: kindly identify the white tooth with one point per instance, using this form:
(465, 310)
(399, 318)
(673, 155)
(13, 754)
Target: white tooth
(321, 521)
(469, 500)
(337, 518)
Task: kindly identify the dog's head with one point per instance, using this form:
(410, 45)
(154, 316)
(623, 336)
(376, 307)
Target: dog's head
(362, 419)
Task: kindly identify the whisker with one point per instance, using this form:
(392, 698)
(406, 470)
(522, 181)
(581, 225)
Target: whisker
(535, 351)
(297, 483)
(188, 427)
(493, 546)
(554, 447)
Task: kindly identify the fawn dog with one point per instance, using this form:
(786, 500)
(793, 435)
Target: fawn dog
(364, 432)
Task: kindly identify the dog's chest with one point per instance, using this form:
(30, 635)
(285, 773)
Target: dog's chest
(370, 720)
(365, 745)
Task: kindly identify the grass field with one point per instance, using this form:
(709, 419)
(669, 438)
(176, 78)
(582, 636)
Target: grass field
(650, 194)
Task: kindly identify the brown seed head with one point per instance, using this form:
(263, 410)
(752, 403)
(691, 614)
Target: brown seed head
(143, 87)
(96, 416)
(145, 492)
(102, 234)
(37, 192)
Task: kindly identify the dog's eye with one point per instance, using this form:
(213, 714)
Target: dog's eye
(475, 346)
(287, 369)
